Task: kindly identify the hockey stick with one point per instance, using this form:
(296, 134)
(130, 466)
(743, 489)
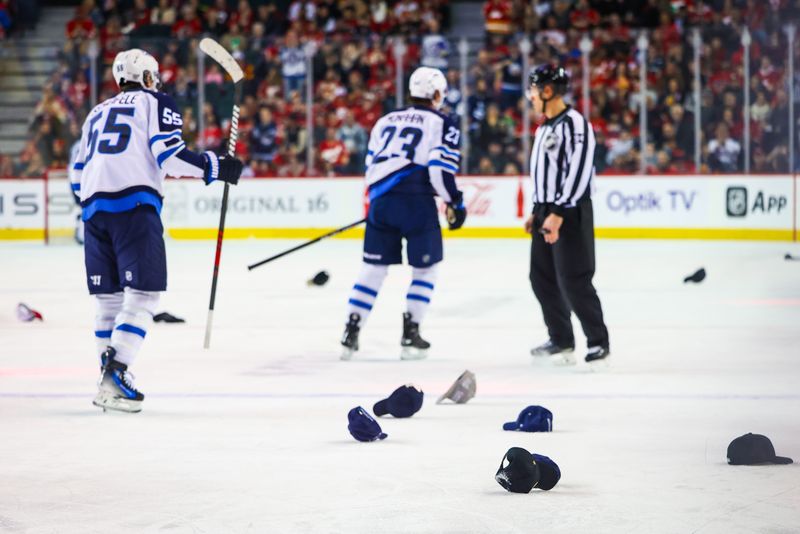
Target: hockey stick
(306, 244)
(220, 55)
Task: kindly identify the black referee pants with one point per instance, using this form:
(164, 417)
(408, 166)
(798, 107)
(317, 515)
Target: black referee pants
(561, 276)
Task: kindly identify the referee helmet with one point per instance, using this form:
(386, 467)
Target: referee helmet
(555, 77)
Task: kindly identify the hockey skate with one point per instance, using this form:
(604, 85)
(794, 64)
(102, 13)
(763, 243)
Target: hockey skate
(115, 389)
(414, 347)
(350, 337)
(597, 357)
(555, 355)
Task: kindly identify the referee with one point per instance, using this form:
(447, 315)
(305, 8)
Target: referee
(562, 225)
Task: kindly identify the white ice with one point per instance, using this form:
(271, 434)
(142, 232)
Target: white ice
(251, 436)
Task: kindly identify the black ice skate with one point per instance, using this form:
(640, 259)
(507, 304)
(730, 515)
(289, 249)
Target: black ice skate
(556, 355)
(350, 336)
(115, 389)
(598, 356)
(414, 347)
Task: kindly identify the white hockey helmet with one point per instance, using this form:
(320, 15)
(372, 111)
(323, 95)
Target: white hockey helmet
(425, 82)
(132, 65)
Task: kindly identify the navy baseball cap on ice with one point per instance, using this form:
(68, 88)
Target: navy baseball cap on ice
(362, 426)
(753, 449)
(549, 473)
(532, 419)
(521, 471)
(405, 401)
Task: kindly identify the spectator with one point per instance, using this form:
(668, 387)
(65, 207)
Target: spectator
(684, 128)
(35, 167)
(6, 166)
(81, 27)
(293, 168)
(164, 14)
(435, 47)
(723, 151)
(355, 140)
(58, 155)
(498, 17)
(295, 137)
(333, 154)
(485, 166)
(5, 26)
(211, 136)
(264, 141)
(188, 25)
(620, 150)
(510, 77)
(760, 109)
(293, 64)
(491, 129)
(583, 17)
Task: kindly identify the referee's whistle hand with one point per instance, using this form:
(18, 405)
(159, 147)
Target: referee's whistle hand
(529, 224)
(550, 227)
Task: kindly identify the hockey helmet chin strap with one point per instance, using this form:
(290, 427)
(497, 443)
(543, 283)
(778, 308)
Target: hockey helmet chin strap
(545, 100)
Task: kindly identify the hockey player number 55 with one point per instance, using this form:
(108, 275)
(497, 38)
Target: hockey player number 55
(113, 125)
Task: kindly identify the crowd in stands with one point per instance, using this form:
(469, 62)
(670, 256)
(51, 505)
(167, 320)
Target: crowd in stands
(557, 28)
(17, 17)
(354, 65)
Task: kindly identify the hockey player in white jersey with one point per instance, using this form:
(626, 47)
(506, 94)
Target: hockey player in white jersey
(129, 143)
(413, 155)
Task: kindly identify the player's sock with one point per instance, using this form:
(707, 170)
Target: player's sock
(108, 307)
(132, 323)
(365, 291)
(420, 292)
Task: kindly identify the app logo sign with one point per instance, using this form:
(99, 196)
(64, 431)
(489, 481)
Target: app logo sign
(736, 201)
(740, 203)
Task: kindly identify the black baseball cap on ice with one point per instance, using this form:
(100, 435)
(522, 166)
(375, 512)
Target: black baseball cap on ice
(754, 449)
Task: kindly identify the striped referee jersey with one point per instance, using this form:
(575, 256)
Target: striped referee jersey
(562, 161)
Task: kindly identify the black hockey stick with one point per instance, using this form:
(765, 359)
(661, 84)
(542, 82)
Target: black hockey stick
(221, 56)
(306, 244)
(789, 257)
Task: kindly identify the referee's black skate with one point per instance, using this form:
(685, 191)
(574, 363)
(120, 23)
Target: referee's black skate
(414, 347)
(115, 389)
(350, 336)
(598, 356)
(556, 354)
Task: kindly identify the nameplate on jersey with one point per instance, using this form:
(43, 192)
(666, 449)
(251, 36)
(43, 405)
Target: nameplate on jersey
(412, 117)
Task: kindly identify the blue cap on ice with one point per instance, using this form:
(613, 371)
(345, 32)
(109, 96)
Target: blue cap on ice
(362, 426)
(532, 419)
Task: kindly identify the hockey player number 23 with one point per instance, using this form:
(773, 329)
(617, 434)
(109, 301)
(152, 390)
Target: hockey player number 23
(411, 136)
(112, 126)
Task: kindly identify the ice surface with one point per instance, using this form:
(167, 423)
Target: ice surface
(251, 436)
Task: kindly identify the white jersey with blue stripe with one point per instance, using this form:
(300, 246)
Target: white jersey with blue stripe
(414, 151)
(129, 143)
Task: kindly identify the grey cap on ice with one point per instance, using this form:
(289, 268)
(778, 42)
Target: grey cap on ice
(462, 390)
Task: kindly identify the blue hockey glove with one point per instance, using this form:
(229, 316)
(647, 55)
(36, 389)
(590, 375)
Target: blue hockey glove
(456, 215)
(222, 168)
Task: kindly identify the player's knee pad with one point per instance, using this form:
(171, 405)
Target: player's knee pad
(420, 292)
(108, 306)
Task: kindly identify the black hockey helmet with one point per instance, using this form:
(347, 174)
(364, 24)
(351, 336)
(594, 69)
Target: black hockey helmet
(552, 75)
